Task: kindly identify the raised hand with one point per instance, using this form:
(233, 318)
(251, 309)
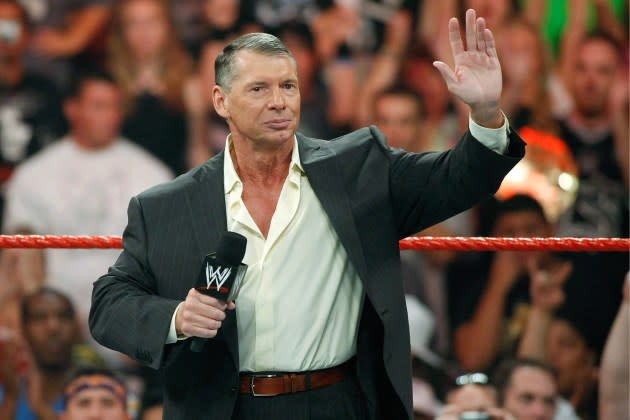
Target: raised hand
(476, 79)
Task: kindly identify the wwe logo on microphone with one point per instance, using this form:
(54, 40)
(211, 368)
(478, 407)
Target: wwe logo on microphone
(217, 276)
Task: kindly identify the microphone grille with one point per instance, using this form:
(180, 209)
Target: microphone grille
(231, 249)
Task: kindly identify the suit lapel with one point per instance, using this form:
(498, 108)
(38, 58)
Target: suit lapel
(206, 205)
(324, 174)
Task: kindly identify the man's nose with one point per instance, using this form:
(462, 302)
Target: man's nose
(277, 100)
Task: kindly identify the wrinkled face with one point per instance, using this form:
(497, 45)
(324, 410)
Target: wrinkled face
(13, 33)
(145, 28)
(531, 394)
(51, 330)
(94, 404)
(398, 116)
(568, 353)
(593, 77)
(263, 103)
(96, 114)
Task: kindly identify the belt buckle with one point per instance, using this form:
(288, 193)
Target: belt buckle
(252, 387)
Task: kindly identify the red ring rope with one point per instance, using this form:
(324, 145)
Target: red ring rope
(422, 243)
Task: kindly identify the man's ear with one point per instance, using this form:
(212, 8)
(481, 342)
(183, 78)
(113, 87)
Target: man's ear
(220, 101)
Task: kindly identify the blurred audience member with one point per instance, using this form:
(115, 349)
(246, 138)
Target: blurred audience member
(601, 207)
(614, 385)
(94, 394)
(277, 13)
(398, 113)
(207, 131)
(572, 351)
(527, 77)
(527, 389)
(223, 20)
(490, 301)
(188, 19)
(441, 120)
(151, 66)
(557, 20)
(62, 29)
(315, 97)
(77, 186)
(473, 398)
(568, 342)
(30, 107)
(50, 329)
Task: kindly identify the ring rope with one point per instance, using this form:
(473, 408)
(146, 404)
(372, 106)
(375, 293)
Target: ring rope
(413, 243)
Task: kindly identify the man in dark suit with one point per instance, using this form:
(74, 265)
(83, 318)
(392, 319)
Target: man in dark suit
(320, 329)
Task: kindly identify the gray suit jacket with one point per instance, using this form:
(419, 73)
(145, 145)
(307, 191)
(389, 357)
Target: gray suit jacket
(373, 195)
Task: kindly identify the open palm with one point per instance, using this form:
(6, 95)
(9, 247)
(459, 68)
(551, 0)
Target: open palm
(476, 79)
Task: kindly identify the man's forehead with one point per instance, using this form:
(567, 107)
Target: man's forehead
(251, 64)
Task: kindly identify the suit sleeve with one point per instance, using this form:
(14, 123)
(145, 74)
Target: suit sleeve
(126, 314)
(428, 188)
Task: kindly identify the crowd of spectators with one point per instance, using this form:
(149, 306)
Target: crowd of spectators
(100, 99)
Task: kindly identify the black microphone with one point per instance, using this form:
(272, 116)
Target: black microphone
(221, 274)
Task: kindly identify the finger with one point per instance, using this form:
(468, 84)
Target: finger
(202, 310)
(491, 48)
(471, 37)
(447, 73)
(481, 41)
(455, 38)
(231, 305)
(210, 301)
(205, 323)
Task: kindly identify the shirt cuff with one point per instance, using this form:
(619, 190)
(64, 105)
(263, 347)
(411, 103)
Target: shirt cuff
(495, 139)
(172, 331)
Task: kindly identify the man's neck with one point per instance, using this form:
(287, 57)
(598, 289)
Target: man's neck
(261, 166)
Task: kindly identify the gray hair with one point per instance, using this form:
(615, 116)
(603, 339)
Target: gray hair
(258, 42)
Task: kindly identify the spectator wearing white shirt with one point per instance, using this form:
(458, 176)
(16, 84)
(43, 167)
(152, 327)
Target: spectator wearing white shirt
(79, 186)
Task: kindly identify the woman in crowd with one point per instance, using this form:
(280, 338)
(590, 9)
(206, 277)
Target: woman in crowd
(151, 66)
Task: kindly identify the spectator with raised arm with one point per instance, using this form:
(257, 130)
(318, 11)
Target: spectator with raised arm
(63, 29)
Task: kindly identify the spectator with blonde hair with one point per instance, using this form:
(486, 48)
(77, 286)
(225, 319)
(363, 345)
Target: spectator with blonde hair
(151, 66)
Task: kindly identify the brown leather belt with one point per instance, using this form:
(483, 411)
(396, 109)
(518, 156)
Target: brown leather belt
(269, 385)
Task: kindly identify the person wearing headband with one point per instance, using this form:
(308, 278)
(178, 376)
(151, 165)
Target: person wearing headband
(95, 394)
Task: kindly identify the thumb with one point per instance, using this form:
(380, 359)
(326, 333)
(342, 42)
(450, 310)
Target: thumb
(447, 73)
